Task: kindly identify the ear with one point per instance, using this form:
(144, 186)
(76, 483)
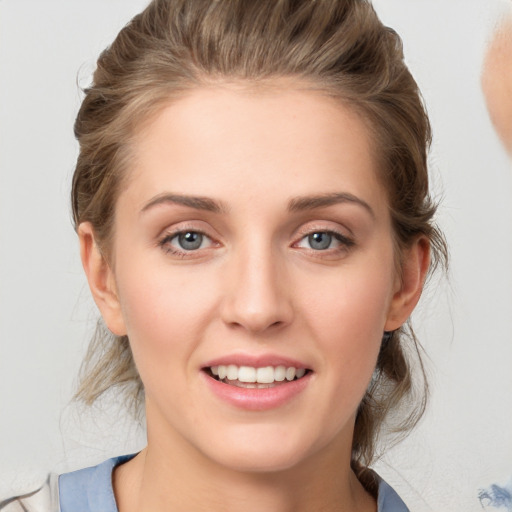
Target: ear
(409, 284)
(101, 280)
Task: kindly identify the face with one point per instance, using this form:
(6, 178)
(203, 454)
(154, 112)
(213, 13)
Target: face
(253, 271)
(497, 81)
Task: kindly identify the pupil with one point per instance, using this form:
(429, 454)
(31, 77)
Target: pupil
(320, 241)
(191, 240)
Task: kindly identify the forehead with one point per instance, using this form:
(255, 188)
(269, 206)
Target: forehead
(226, 138)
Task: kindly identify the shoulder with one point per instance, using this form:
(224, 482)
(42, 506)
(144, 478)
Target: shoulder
(388, 500)
(85, 490)
(90, 488)
(44, 499)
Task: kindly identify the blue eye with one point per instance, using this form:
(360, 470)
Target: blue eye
(184, 242)
(325, 241)
(320, 241)
(190, 240)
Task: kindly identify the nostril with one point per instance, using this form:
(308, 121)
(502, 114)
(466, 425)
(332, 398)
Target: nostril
(256, 302)
(255, 323)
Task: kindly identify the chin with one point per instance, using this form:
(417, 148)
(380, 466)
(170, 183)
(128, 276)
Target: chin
(262, 452)
(262, 462)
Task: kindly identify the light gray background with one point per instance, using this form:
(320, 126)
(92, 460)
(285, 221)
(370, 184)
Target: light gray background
(46, 315)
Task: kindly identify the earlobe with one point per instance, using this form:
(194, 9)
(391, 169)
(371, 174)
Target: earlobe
(415, 264)
(101, 280)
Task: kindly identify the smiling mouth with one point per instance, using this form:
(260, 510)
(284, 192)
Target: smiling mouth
(255, 378)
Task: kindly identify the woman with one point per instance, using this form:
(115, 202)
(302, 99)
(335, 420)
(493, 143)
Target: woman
(251, 199)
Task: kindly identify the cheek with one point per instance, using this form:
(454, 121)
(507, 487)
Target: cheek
(353, 302)
(347, 316)
(164, 309)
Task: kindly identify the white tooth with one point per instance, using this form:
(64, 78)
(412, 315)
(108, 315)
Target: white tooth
(232, 372)
(247, 374)
(265, 375)
(290, 373)
(215, 370)
(222, 371)
(280, 373)
(300, 373)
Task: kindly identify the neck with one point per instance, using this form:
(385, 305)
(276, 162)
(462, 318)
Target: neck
(156, 480)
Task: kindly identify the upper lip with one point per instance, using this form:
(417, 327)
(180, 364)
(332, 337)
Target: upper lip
(255, 361)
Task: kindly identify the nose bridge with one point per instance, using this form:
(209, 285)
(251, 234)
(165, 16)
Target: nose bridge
(257, 297)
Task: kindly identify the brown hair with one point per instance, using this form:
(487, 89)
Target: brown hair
(339, 46)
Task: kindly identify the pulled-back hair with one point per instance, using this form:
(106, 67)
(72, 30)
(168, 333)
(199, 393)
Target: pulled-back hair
(339, 47)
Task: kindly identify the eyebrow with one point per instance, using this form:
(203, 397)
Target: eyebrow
(324, 200)
(196, 202)
(294, 205)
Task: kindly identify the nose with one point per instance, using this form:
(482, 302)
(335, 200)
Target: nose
(258, 297)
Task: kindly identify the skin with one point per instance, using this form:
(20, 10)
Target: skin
(497, 81)
(255, 287)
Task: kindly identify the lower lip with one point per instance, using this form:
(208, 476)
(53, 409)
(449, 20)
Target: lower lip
(253, 399)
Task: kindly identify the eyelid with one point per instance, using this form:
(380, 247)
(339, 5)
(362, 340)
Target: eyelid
(325, 227)
(345, 242)
(168, 234)
(342, 239)
(184, 226)
(177, 235)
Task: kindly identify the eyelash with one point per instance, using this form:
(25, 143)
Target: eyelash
(164, 243)
(345, 243)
